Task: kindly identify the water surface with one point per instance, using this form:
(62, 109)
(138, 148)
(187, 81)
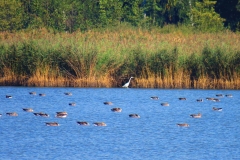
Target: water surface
(153, 136)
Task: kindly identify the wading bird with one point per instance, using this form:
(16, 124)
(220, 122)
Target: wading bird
(127, 84)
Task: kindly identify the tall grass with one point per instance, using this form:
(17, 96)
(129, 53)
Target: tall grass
(108, 58)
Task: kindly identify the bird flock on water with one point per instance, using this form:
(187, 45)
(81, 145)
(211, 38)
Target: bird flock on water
(64, 114)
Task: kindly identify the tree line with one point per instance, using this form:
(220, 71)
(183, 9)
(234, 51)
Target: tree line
(73, 15)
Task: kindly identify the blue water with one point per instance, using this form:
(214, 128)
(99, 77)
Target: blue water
(153, 136)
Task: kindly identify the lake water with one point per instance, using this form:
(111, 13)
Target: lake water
(155, 135)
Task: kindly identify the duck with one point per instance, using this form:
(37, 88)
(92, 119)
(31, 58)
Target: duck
(83, 123)
(61, 115)
(28, 109)
(165, 104)
(108, 103)
(182, 98)
(216, 100)
(14, 114)
(219, 95)
(213, 99)
(229, 95)
(0, 115)
(99, 124)
(42, 94)
(154, 98)
(8, 96)
(32, 93)
(183, 125)
(210, 99)
(134, 115)
(217, 109)
(42, 114)
(72, 104)
(199, 115)
(63, 112)
(116, 109)
(52, 124)
(68, 93)
(38, 113)
(200, 100)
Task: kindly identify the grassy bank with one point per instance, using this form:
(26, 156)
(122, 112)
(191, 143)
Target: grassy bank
(109, 58)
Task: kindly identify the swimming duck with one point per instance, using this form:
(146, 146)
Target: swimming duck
(42, 94)
(217, 109)
(28, 109)
(199, 115)
(60, 115)
(8, 96)
(42, 114)
(38, 113)
(52, 124)
(14, 114)
(116, 109)
(108, 103)
(199, 100)
(228, 95)
(219, 95)
(100, 124)
(83, 123)
(134, 115)
(64, 112)
(32, 93)
(68, 93)
(216, 100)
(72, 104)
(182, 98)
(154, 98)
(210, 99)
(213, 99)
(183, 125)
(165, 104)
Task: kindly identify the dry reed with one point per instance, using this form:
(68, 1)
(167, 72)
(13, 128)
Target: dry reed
(101, 59)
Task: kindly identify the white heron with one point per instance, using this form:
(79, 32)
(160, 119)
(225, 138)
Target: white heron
(127, 84)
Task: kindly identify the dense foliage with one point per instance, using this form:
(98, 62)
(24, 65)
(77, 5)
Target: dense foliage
(72, 15)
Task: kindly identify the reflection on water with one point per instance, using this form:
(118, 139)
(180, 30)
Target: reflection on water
(155, 135)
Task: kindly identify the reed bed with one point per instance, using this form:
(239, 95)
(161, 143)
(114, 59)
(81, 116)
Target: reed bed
(108, 58)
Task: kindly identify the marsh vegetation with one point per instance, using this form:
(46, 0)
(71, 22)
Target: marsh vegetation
(166, 58)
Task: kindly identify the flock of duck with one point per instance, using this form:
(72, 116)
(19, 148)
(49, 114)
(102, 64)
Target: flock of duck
(64, 114)
(199, 115)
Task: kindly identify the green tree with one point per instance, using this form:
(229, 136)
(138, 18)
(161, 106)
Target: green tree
(205, 18)
(154, 11)
(133, 11)
(230, 10)
(11, 15)
(110, 12)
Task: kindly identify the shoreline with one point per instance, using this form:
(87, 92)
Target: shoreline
(102, 82)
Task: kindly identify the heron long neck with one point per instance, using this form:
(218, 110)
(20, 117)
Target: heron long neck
(129, 80)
